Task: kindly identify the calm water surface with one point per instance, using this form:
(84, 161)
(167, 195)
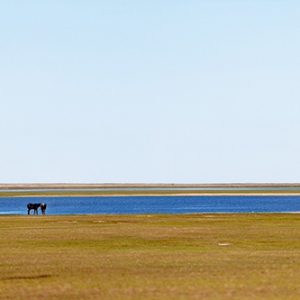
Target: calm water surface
(152, 204)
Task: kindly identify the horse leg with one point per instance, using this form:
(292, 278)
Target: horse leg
(29, 211)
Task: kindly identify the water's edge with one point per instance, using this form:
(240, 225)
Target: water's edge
(13, 190)
(153, 204)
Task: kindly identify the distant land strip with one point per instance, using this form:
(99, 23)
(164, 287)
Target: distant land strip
(114, 189)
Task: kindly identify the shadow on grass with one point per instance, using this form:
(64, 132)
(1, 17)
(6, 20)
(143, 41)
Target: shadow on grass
(26, 277)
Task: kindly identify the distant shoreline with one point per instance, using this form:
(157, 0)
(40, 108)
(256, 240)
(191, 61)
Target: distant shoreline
(4, 186)
(142, 189)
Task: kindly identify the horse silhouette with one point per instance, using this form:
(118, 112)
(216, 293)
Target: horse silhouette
(33, 206)
(43, 207)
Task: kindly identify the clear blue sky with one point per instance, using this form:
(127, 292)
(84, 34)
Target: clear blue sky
(150, 91)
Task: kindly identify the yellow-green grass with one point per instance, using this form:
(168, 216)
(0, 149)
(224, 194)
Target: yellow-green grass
(156, 256)
(125, 192)
(64, 189)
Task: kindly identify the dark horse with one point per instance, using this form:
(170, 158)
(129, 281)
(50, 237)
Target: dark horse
(34, 206)
(43, 207)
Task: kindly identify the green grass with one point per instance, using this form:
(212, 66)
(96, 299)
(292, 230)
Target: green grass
(187, 256)
(11, 190)
(88, 192)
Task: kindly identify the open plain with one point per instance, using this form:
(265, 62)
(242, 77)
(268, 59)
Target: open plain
(13, 190)
(156, 256)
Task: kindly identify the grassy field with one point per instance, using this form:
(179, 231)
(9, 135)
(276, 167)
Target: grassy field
(187, 256)
(146, 192)
(13, 190)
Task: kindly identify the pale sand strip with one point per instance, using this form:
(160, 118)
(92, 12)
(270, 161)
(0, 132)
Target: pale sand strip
(144, 185)
(64, 189)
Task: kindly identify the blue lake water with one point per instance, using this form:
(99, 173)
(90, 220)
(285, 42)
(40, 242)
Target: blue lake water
(152, 204)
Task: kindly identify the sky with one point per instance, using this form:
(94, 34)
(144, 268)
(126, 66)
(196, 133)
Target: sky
(177, 91)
